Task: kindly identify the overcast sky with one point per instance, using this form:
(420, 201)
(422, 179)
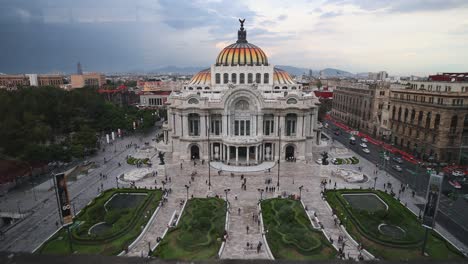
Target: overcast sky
(400, 36)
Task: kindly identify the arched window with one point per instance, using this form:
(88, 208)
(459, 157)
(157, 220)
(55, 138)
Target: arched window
(406, 115)
(250, 78)
(234, 78)
(284, 87)
(291, 120)
(190, 88)
(413, 115)
(266, 78)
(241, 78)
(207, 88)
(437, 121)
(276, 87)
(420, 117)
(294, 87)
(199, 88)
(399, 114)
(258, 78)
(225, 78)
(428, 120)
(194, 124)
(218, 78)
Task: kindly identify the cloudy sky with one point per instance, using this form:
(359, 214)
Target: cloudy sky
(399, 36)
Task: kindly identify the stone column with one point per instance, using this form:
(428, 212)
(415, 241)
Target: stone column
(203, 126)
(228, 153)
(185, 130)
(237, 155)
(260, 124)
(256, 154)
(299, 126)
(247, 156)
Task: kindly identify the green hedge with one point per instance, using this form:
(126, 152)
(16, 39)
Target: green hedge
(290, 234)
(363, 226)
(126, 226)
(199, 232)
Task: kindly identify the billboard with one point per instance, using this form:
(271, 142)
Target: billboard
(432, 199)
(63, 198)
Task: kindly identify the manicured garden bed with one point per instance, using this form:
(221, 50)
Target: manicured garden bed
(134, 161)
(391, 234)
(199, 232)
(353, 160)
(290, 234)
(108, 225)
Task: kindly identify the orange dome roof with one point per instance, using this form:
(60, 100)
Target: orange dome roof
(242, 52)
(201, 78)
(281, 77)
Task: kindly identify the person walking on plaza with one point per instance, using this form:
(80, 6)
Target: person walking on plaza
(247, 228)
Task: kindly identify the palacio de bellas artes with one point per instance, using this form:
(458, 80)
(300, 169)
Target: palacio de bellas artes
(242, 111)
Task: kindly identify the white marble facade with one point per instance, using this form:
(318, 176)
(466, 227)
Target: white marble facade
(240, 111)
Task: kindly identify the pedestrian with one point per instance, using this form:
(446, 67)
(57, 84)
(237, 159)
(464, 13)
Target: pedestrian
(384, 185)
(413, 193)
(238, 211)
(247, 228)
(181, 165)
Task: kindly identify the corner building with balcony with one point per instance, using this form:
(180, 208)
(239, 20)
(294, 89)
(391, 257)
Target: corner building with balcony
(242, 111)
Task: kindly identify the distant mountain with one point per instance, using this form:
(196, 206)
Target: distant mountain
(177, 70)
(295, 70)
(330, 72)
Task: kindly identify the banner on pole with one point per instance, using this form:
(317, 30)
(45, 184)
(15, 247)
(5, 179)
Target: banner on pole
(119, 133)
(113, 135)
(432, 199)
(107, 138)
(63, 198)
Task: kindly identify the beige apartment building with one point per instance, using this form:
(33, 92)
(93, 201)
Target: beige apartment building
(15, 80)
(87, 79)
(429, 119)
(363, 107)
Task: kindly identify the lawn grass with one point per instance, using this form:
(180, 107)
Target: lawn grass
(290, 234)
(363, 227)
(198, 234)
(126, 225)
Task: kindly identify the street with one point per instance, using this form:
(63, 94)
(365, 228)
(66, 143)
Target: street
(42, 214)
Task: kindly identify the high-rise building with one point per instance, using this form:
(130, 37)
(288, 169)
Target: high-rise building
(79, 71)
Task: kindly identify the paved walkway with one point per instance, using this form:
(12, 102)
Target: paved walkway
(254, 168)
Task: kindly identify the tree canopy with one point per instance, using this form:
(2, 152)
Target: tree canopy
(47, 123)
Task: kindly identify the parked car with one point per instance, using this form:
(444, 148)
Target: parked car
(398, 160)
(386, 157)
(365, 150)
(397, 168)
(364, 145)
(458, 173)
(364, 140)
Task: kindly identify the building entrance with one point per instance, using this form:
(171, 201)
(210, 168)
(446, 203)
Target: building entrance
(194, 152)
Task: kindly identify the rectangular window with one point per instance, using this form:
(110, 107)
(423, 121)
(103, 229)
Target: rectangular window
(236, 128)
(247, 128)
(242, 127)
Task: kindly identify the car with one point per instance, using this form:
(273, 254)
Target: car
(319, 161)
(458, 173)
(387, 158)
(398, 160)
(365, 150)
(397, 168)
(364, 140)
(364, 145)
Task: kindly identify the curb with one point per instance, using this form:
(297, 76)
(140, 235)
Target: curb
(263, 233)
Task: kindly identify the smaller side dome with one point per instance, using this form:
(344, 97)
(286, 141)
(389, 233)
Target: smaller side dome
(282, 77)
(202, 78)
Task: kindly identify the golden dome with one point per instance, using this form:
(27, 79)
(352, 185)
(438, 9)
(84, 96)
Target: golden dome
(202, 78)
(281, 77)
(242, 52)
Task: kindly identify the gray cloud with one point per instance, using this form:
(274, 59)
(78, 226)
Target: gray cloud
(404, 6)
(330, 14)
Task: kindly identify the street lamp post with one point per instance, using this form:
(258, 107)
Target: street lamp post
(261, 193)
(117, 181)
(187, 188)
(226, 192)
(279, 156)
(209, 158)
(300, 192)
